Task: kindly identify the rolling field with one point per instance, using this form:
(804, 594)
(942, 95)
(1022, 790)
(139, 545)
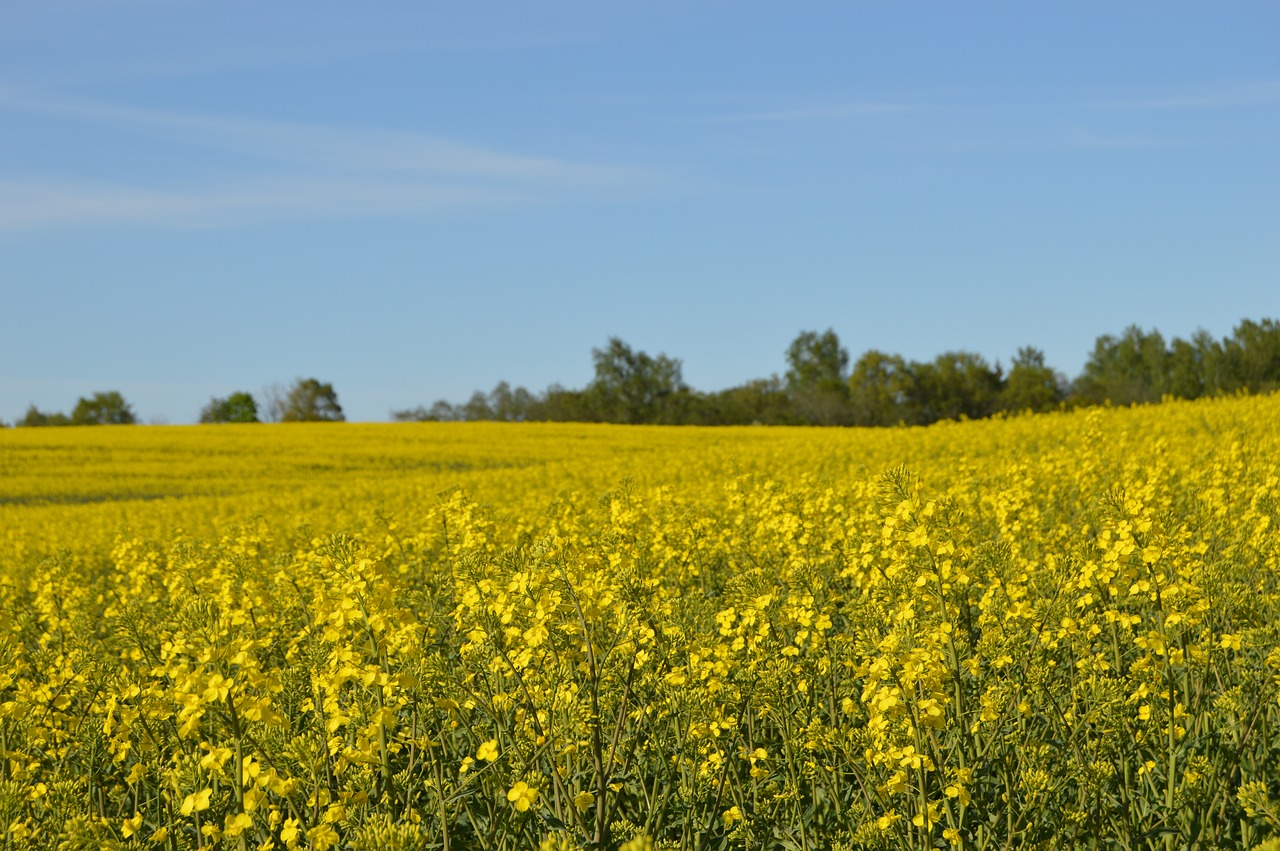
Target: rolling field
(1055, 631)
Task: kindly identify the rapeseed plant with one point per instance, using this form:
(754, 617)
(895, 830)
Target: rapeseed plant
(1048, 631)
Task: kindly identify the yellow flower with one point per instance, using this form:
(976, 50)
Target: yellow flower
(640, 843)
(196, 802)
(731, 815)
(926, 819)
(238, 824)
(132, 825)
(322, 837)
(522, 796)
(488, 751)
(583, 801)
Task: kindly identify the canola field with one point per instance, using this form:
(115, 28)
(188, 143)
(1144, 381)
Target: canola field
(1053, 631)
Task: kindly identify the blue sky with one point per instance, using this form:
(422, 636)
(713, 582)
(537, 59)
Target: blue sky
(415, 200)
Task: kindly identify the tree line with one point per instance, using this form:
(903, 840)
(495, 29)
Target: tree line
(306, 400)
(821, 386)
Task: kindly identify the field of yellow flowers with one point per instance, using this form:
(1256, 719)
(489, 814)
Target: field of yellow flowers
(1051, 631)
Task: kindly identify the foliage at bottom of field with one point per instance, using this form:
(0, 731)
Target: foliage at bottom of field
(1083, 651)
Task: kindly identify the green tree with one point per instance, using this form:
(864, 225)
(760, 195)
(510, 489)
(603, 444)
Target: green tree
(440, 411)
(953, 385)
(561, 404)
(816, 361)
(1031, 385)
(1252, 354)
(107, 408)
(273, 399)
(510, 405)
(1211, 362)
(35, 418)
(879, 389)
(631, 386)
(1125, 370)
(817, 378)
(1187, 374)
(239, 407)
(477, 407)
(761, 401)
(308, 400)
(410, 415)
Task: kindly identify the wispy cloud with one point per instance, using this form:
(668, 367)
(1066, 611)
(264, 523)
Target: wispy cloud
(32, 205)
(1258, 93)
(1042, 138)
(320, 170)
(70, 43)
(1082, 138)
(310, 144)
(827, 112)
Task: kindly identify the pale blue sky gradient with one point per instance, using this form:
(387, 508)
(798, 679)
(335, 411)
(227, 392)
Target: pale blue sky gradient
(417, 200)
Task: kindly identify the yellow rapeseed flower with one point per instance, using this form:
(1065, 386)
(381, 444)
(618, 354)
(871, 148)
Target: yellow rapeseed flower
(196, 802)
(522, 796)
(131, 825)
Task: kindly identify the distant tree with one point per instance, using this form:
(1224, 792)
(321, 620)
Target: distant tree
(477, 407)
(239, 407)
(1186, 376)
(510, 405)
(439, 412)
(879, 389)
(273, 401)
(817, 378)
(631, 386)
(953, 385)
(409, 415)
(1252, 355)
(695, 408)
(761, 401)
(1211, 363)
(36, 418)
(1031, 385)
(1125, 370)
(560, 404)
(308, 400)
(107, 408)
(502, 403)
(882, 389)
(685, 406)
(816, 361)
